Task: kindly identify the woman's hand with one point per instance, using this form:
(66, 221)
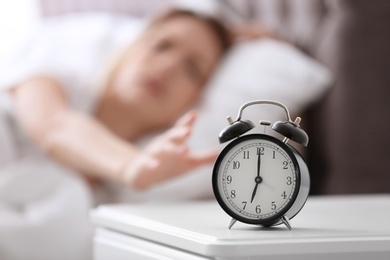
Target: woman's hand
(167, 156)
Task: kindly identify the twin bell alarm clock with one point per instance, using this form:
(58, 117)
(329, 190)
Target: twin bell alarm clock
(257, 178)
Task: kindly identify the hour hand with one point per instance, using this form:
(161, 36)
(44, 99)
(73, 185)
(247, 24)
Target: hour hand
(254, 192)
(258, 180)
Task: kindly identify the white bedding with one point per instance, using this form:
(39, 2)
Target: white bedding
(54, 201)
(43, 212)
(43, 206)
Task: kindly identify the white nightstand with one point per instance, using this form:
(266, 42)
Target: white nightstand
(345, 227)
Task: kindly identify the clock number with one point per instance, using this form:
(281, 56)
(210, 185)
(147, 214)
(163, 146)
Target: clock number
(285, 164)
(260, 150)
(229, 179)
(284, 196)
(258, 209)
(289, 181)
(233, 194)
(273, 155)
(273, 205)
(244, 202)
(236, 165)
(246, 154)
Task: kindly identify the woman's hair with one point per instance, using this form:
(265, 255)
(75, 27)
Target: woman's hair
(222, 34)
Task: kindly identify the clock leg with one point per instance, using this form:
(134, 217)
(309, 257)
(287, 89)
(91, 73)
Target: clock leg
(286, 221)
(231, 223)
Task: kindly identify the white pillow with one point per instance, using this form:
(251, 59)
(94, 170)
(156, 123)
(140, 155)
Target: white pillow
(261, 69)
(70, 45)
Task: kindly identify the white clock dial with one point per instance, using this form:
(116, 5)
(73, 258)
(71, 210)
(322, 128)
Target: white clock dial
(257, 178)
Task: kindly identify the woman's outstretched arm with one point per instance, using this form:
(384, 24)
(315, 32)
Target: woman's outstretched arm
(83, 143)
(72, 138)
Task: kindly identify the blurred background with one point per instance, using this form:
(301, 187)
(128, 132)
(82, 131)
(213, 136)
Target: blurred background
(349, 127)
(17, 21)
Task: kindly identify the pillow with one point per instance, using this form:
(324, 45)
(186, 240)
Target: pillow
(260, 69)
(69, 45)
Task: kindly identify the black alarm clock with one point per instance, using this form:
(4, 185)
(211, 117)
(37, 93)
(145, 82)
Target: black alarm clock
(260, 179)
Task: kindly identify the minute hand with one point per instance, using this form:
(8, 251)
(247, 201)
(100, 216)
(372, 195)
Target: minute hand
(258, 179)
(258, 164)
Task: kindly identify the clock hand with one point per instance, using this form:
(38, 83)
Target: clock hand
(258, 164)
(254, 192)
(258, 179)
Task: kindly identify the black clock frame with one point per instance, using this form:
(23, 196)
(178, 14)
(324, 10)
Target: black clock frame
(291, 151)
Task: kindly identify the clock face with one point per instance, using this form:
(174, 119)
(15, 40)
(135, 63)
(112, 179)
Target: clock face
(256, 179)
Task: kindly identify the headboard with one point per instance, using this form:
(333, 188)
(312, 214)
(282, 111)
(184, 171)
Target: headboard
(350, 126)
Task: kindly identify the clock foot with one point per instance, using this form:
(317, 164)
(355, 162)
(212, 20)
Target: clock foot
(231, 223)
(286, 221)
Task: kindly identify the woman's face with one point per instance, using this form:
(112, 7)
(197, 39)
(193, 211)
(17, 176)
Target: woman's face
(165, 72)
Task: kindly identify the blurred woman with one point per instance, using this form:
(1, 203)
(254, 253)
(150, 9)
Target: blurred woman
(151, 85)
(53, 129)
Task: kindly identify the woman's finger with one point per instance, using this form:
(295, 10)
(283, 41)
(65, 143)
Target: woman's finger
(188, 119)
(178, 135)
(180, 132)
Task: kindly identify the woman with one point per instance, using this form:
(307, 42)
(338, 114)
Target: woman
(43, 207)
(152, 84)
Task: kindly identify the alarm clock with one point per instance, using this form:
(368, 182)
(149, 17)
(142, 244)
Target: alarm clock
(257, 178)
